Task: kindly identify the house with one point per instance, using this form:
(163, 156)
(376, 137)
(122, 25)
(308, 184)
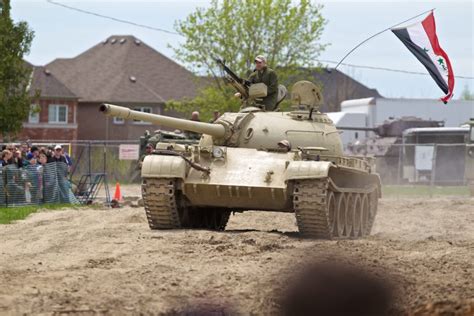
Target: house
(338, 87)
(125, 71)
(53, 111)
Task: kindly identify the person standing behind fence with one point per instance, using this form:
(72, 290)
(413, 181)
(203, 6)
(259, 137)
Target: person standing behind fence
(148, 151)
(33, 153)
(50, 153)
(58, 155)
(5, 157)
(68, 159)
(17, 159)
(33, 182)
(49, 179)
(24, 149)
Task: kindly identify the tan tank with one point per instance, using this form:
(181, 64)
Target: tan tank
(257, 160)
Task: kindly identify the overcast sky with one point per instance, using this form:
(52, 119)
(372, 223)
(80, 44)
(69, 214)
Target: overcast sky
(61, 33)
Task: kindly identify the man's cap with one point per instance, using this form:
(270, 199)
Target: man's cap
(149, 145)
(261, 58)
(57, 147)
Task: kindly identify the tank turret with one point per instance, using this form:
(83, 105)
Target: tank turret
(252, 127)
(259, 160)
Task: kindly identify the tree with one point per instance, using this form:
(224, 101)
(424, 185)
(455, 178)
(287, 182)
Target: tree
(285, 31)
(15, 41)
(466, 94)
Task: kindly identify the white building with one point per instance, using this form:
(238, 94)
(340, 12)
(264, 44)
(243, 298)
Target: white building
(342, 119)
(454, 114)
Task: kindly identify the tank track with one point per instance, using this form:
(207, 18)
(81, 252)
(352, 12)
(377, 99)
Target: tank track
(310, 203)
(165, 208)
(160, 203)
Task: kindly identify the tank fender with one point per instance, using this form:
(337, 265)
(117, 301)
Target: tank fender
(307, 170)
(160, 166)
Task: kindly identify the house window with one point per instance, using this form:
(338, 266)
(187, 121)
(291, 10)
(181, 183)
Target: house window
(57, 113)
(145, 109)
(34, 114)
(118, 120)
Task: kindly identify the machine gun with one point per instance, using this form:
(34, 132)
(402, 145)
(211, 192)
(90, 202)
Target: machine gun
(241, 85)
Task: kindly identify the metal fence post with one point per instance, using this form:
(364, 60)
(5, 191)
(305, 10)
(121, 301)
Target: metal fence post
(90, 158)
(433, 169)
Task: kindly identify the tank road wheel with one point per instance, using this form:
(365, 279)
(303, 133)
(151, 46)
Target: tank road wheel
(332, 212)
(349, 216)
(373, 206)
(340, 215)
(311, 208)
(159, 197)
(365, 210)
(357, 216)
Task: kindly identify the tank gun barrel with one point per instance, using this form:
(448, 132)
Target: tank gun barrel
(215, 130)
(352, 128)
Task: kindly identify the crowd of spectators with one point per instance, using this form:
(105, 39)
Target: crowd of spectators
(25, 155)
(33, 174)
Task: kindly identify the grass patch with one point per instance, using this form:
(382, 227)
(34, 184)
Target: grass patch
(423, 190)
(10, 214)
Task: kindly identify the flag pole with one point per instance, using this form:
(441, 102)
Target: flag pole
(388, 28)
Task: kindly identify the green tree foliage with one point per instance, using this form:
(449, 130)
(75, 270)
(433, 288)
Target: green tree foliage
(466, 94)
(287, 32)
(15, 41)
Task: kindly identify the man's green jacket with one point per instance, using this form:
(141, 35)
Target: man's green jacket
(269, 77)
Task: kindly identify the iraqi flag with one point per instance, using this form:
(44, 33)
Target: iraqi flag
(421, 40)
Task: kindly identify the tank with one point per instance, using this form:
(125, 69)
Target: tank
(256, 160)
(163, 136)
(385, 144)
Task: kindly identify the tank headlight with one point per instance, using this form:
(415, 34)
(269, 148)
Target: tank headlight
(217, 152)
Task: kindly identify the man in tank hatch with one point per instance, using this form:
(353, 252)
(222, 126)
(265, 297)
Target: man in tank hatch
(268, 76)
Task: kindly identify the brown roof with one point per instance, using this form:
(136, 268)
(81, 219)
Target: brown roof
(48, 85)
(124, 69)
(338, 87)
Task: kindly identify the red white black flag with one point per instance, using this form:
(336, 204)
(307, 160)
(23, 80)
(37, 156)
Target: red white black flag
(421, 40)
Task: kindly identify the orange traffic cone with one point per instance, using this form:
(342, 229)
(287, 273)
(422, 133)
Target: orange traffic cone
(117, 195)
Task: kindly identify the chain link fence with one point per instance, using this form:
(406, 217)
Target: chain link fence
(118, 160)
(35, 184)
(429, 164)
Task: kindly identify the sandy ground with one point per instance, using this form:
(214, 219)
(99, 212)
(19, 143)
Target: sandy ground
(92, 262)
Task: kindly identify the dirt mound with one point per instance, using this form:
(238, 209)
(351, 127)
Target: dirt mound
(109, 262)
